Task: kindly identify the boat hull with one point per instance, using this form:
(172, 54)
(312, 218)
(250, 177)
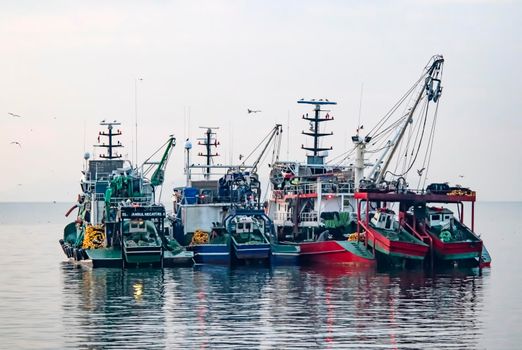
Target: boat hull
(218, 254)
(397, 249)
(456, 250)
(334, 252)
(251, 251)
(284, 254)
(181, 259)
(485, 259)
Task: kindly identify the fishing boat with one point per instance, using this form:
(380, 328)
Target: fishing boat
(388, 236)
(211, 196)
(421, 220)
(118, 221)
(249, 231)
(452, 240)
(310, 203)
(313, 204)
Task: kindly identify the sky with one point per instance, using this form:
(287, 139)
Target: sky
(67, 65)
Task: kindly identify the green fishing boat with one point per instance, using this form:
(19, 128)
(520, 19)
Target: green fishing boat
(119, 222)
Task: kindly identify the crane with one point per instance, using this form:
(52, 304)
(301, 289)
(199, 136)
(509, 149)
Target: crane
(273, 135)
(158, 176)
(429, 85)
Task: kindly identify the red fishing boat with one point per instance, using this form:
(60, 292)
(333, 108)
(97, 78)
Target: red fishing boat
(448, 238)
(388, 236)
(311, 202)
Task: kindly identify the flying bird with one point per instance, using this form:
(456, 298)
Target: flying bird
(419, 171)
(16, 143)
(14, 115)
(253, 111)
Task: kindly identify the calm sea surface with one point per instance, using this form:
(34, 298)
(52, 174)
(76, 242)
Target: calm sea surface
(47, 303)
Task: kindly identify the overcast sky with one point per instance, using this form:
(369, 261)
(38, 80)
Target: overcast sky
(67, 65)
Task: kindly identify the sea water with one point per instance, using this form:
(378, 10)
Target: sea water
(48, 303)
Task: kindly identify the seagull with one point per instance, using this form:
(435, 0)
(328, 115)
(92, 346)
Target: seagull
(253, 111)
(16, 143)
(240, 156)
(461, 176)
(419, 171)
(14, 115)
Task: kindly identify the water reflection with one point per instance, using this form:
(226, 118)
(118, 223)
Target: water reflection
(218, 307)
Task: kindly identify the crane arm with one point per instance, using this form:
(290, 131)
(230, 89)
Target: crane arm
(431, 73)
(158, 176)
(276, 131)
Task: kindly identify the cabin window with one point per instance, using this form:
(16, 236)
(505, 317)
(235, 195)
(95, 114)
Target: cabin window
(388, 222)
(381, 218)
(435, 217)
(446, 217)
(248, 226)
(240, 226)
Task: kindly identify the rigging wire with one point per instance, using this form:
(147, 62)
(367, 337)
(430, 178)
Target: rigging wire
(258, 145)
(430, 146)
(395, 107)
(426, 108)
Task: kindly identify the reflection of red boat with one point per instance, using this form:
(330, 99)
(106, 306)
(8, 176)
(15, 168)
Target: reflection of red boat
(387, 236)
(335, 252)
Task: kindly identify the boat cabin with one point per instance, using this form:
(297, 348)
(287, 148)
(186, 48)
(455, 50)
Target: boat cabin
(440, 217)
(384, 219)
(248, 225)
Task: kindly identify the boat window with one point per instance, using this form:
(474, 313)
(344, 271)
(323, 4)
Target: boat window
(388, 222)
(435, 217)
(446, 217)
(381, 218)
(248, 226)
(240, 226)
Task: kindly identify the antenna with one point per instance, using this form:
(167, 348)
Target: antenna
(360, 107)
(136, 116)
(230, 143)
(84, 134)
(288, 136)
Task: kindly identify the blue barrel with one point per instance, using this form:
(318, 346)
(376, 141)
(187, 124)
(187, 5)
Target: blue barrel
(190, 195)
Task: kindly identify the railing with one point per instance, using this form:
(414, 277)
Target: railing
(283, 216)
(326, 188)
(346, 188)
(115, 200)
(308, 216)
(306, 188)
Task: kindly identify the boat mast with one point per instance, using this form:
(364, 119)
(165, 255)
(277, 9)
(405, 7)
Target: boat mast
(110, 134)
(209, 141)
(315, 157)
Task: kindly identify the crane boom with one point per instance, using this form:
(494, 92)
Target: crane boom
(158, 176)
(275, 131)
(431, 73)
